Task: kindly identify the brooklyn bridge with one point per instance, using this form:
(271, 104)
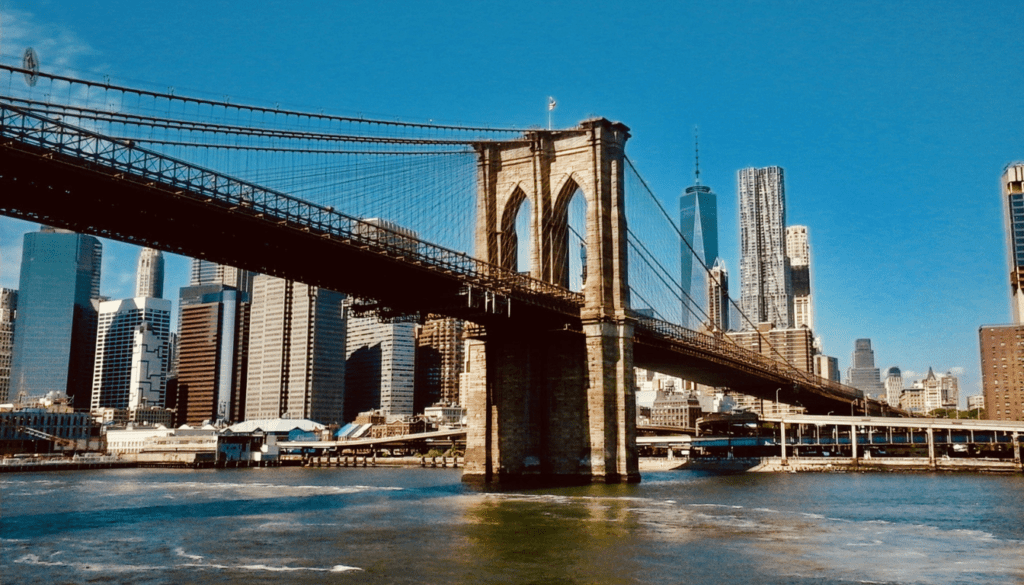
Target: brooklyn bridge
(548, 241)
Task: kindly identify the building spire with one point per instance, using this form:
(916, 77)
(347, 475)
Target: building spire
(696, 151)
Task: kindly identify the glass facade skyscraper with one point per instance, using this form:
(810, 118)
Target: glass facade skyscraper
(56, 337)
(698, 220)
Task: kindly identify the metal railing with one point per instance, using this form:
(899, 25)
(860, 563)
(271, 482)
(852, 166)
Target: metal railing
(720, 346)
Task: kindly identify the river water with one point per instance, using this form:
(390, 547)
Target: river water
(388, 525)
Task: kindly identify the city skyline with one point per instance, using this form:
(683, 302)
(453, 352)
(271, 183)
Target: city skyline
(864, 141)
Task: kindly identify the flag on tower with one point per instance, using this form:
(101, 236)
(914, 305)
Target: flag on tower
(551, 103)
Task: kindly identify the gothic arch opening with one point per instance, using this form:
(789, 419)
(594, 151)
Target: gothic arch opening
(516, 244)
(569, 237)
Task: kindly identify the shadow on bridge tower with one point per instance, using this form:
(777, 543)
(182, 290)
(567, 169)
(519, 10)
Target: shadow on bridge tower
(544, 403)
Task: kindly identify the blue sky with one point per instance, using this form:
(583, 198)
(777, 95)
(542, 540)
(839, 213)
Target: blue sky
(893, 120)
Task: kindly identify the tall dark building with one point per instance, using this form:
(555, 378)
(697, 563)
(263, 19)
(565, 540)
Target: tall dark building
(8, 310)
(56, 340)
(212, 350)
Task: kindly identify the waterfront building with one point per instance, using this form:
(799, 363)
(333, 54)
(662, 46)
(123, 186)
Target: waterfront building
(131, 343)
(1013, 212)
(53, 417)
(863, 375)
(649, 383)
(976, 402)
(213, 347)
(678, 409)
(56, 339)
(893, 386)
(913, 399)
(445, 415)
(827, 367)
(380, 366)
(1002, 370)
(439, 359)
(296, 365)
(149, 275)
(698, 221)
(745, 402)
(798, 251)
(719, 304)
(8, 311)
(766, 292)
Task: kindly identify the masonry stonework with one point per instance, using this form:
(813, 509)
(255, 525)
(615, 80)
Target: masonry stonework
(544, 404)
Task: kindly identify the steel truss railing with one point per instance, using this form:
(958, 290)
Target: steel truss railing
(726, 348)
(189, 180)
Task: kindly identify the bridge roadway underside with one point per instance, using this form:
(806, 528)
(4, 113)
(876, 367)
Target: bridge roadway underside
(91, 199)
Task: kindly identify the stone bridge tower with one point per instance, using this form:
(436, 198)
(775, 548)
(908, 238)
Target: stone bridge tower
(555, 405)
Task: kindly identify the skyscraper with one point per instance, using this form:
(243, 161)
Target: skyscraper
(893, 386)
(56, 339)
(799, 253)
(827, 367)
(698, 220)
(380, 367)
(8, 310)
(213, 346)
(131, 340)
(863, 375)
(1013, 207)
(296, 352)
(718, 297)
(766, 292)
(149, 276)
(206, 272)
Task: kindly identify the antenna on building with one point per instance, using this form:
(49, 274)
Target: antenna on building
(696, 152)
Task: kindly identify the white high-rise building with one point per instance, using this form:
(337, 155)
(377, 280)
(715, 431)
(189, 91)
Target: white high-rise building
(798, 251)
(893, 386)
(380, 366)
(766, 291)
(149, 370)
(131, 344)
(149, 276)
(296, 352)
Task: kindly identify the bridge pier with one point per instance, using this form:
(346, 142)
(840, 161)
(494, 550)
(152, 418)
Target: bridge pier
(551, 408)
(542, 404)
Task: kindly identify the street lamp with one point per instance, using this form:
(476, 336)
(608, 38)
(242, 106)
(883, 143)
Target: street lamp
(777, 409)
